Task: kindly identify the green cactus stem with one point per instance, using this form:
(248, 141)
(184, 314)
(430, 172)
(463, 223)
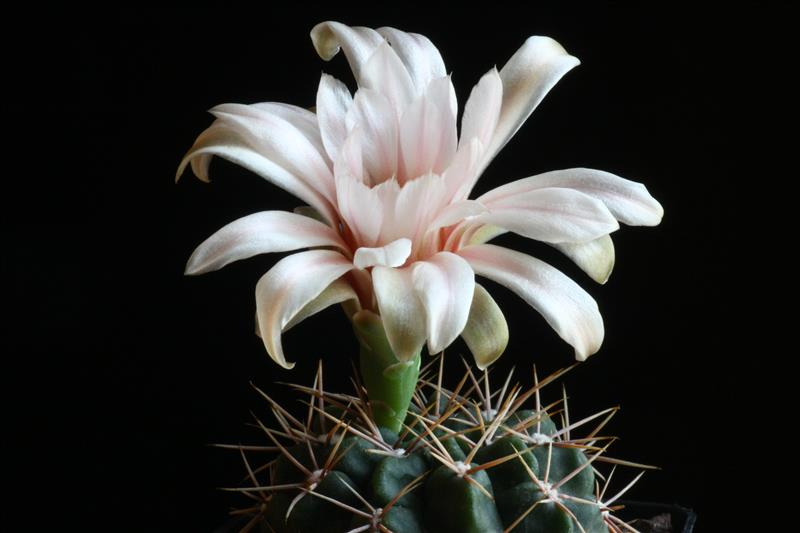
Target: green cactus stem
(466, 460)
(390, 382)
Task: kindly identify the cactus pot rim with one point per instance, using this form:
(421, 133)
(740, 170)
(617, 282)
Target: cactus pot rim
(683, 518)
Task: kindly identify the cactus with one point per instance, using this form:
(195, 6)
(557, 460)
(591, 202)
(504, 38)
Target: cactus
(395, 238)
(466, 460)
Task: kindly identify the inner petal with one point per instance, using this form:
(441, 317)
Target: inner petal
(428, 135)
(374, 116)
(393, 254)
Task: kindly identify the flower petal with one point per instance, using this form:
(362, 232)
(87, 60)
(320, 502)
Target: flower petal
(527, 77)
(374, 116)
(569, 310)
(385, 73)
(463, 172)
(337, 292)
(333, 101)
(456, 212)
(401, 310)
(279, 140)
(387, 193)
(219, 140)
(444, 284)
(428, 136)
(358, 43)
(628, 201)
(288, 287)
(418, 202)
(596, 257)
(357, 203)
(260, 233)
(468, 232)
(420, 57)
(393, 254)
(486, 332)
(551, 215)
(304, 120)
(309, 212)
(482, 109)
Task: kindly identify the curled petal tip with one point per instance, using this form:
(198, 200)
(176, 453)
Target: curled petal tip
(324, 41)
(288, 288)
(542, 42)
(192, 268)
(658, 212)
(283, 364)
(549, 49)
(181, 168)
(592, 343)
(583, 355)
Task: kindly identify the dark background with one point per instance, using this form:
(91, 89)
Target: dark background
(122, 370)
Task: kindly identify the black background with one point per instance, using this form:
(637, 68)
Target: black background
(122, 370)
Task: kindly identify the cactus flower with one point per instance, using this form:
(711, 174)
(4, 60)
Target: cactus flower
(390, 227)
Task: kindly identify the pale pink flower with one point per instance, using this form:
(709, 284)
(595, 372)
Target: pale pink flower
(390, 226)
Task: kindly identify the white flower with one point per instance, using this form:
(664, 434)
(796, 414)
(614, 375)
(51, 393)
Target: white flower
(391, 227)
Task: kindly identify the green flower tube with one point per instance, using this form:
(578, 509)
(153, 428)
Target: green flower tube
(390, 381)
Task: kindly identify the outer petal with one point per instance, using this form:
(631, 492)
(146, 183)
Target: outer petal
(482, 109)
(220, 140)
(484, 234)
(456, 212)
(527, 77)
(309, 212)
(280, 141)
(401, 310)
(428, 131)
(569, 310)
(486, 332)
(393, 254)
(468, 233)
(260, 233)
(420, 57)
(627, 200)
(303, 120)
(444, 284)
(333, 101)
(596, 257)
(337, 292)
(358, 43)
(288, 287)
(551, 215)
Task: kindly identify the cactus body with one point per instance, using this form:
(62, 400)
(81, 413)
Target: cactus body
(458, 466)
